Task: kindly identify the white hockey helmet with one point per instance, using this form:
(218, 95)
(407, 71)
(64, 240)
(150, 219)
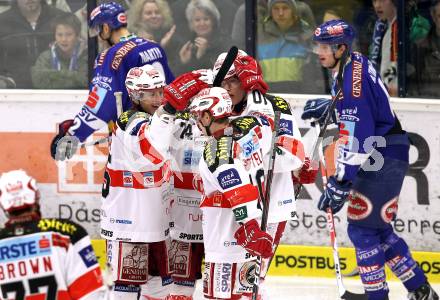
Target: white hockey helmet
(221, 59)
(215, 100)
(142, 79)
(18, 191)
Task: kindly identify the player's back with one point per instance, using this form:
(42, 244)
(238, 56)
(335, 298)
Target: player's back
(48, 259)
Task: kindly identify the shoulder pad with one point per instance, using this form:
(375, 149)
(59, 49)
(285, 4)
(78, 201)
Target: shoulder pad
(279, 104)
(75, 231)
(243, 125)
(121, 53)
(218, 152)
(129, 116)
(183, 115)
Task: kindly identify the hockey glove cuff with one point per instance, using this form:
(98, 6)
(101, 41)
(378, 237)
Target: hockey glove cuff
(249, 72)
(316, 109)
(254, 240)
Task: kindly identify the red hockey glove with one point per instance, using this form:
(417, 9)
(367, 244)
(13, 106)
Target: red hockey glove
(249, 72)
(307, 173)
(178, 93)
(255, 241)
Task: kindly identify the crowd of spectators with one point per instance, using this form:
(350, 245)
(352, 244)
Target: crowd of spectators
(43, 42)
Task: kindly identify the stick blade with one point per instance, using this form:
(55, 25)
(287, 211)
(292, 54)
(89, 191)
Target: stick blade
(227, 63)
(352, 296)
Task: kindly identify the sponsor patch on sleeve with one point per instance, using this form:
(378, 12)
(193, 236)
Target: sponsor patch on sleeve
(88, 256)
(95, 99)
(229, 178)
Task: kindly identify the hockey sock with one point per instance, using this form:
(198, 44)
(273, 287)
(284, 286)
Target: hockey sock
(156, 288)
(371, 261)
(399, 260)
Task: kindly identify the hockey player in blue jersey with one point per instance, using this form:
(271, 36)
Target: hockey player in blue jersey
(109, 22)
(368, 177)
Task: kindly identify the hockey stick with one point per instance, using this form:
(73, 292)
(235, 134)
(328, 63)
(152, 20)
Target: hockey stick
(119, 111)
(265, 200)
(227, 63)
(343, 293)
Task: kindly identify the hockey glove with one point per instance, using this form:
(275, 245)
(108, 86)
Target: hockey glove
(334, 195)
(307, 173)
(249, 72)
(178, 93)
(317, 109)
(255, 241)
(64, 146)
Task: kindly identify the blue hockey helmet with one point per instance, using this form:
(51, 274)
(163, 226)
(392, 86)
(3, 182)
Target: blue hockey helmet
(334, 32)
(111, 13)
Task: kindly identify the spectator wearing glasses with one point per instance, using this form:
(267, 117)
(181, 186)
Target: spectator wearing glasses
(64, 64)
(25, 32)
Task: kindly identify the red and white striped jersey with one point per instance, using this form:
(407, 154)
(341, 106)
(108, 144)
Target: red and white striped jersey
(48, 259)
(230, 168)
(290, 156)
(134, 197)
(186, 151)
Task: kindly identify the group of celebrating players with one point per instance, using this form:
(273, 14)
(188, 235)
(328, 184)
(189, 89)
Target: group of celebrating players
(187, 171)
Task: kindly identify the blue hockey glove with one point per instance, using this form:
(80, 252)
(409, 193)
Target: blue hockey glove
(317, 109)
(334, 195)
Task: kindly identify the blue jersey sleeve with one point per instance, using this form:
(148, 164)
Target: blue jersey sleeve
(364, 114)
(110, 71)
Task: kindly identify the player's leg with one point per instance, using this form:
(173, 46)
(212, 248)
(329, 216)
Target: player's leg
(129, 268)
(399, 260)
(186, 264)
(159, 281)
(228, 280)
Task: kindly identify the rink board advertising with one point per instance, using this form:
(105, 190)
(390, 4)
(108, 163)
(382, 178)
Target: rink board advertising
(71, 190)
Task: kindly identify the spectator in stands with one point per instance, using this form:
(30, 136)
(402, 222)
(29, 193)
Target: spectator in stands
(239, 26)
(24, 33)
(383, 50)
(284, 50)
(152, 20)
(428, 58)
(206, 42)
(225, 8)
(64, 64)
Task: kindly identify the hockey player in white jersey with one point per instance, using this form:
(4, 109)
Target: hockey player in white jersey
(43, 258)
(135, 217)
(247, 89)
(232, 164)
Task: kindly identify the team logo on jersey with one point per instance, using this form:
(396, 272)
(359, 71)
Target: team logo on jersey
(246, 276)
(127, 179)
(95, 99)
(197, 183)
(286, 127)
(248, 144)
(148, 178)
(359, 206)
(228, 179)
(88, 256)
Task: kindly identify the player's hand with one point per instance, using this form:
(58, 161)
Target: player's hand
(249, 72)
(255, 241)
(335, 195)
(64, 146)
(179, 92)
(307, 173)
(316, 109)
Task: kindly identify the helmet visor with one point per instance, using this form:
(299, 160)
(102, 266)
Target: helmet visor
(322, 49)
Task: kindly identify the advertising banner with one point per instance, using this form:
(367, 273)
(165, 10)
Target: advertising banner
(72, 189)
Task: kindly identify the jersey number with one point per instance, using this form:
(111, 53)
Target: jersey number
(258, 98)
(35, 284)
